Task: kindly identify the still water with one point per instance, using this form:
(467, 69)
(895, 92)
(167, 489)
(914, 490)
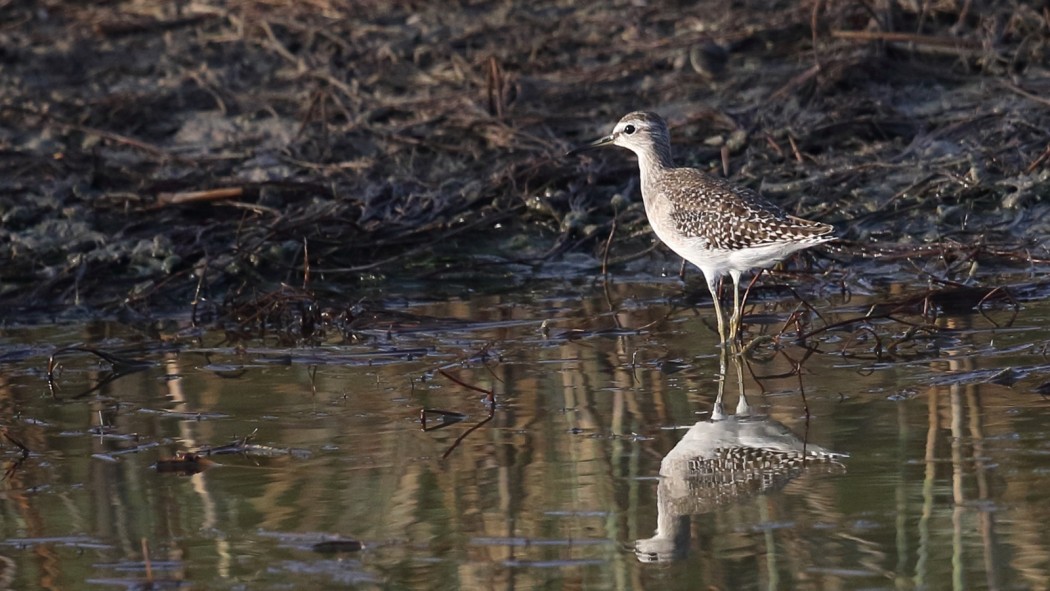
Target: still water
(922, 464)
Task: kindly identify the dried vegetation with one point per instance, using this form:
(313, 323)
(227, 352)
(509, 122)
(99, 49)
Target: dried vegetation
(157, 150)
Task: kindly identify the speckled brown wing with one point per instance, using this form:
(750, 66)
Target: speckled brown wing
(730, 217)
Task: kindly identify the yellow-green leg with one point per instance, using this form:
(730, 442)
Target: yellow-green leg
(734, 322)
(712, 286)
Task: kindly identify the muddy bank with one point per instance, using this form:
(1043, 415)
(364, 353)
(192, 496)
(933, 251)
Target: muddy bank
(155, 152)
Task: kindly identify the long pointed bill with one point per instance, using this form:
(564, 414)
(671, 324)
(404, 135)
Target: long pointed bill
(602, 141)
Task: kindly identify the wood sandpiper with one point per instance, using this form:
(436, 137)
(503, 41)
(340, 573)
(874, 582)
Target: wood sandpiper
(720, 227)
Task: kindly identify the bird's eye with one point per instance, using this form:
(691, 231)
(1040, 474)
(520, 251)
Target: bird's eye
(629, 129)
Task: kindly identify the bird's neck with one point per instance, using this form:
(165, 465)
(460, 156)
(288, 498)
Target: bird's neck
(653, 163)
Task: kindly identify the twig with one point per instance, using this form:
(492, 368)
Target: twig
(202, 269)
(608, 242)
(306, 264)
(1041, 159)
(494, 84)
(802, 387)
(165, 199)
(951, 43)
(743, 300)
(280, 48)
(453, 378)
(794, 148)
(121, 139)
(814, 25)
(795, 82)
(490, 399)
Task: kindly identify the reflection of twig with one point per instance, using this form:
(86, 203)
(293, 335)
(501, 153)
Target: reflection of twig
(121, 366)
(1003, 292)
(149, 564)
(801, 384)
(955, 297)
(53, 386)
(239, 446)
(455, 444)
(909, 336)
(448, 417)
(794, 318)
(490, 399)
(608, 298)
(849, 321)
(117, 362)
(865, 328)
(17, 443)
(13, 466)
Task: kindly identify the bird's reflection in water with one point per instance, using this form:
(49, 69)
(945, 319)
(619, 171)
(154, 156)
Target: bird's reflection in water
(722, 461)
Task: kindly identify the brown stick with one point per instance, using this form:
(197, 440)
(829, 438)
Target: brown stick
(1014, 88)
(1041, 159)
(306, 264)
(488, 393)
(120, 139)
(608, 242)
(164, 199)
(927, 40)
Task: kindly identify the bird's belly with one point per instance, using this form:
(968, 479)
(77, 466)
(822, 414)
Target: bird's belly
(715, 262)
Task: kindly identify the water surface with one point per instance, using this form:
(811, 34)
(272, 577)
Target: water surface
(940, 476)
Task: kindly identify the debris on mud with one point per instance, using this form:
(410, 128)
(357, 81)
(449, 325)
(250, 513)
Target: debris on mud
(157, 154)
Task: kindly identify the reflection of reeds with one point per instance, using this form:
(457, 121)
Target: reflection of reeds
(562, 474)
(959, 413)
